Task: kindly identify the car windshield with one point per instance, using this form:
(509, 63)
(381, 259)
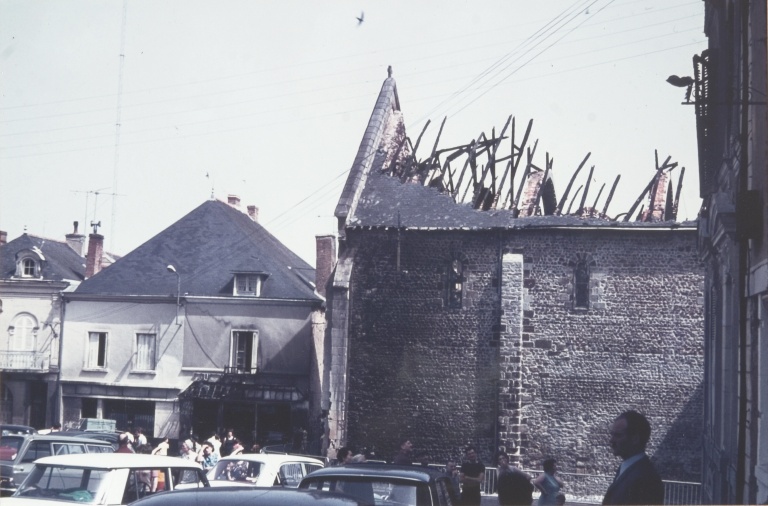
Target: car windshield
(9, 446)
(235, 470)
(66, 484)
(374, 491)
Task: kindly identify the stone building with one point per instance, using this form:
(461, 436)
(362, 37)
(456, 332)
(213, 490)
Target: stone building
(731, 82)
(478, 306)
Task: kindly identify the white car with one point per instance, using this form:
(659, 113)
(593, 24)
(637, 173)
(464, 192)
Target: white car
(262, 470)
(104, 479)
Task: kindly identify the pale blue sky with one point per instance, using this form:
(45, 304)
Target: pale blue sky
(271, 99)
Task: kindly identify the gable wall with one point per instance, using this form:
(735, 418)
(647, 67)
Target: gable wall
(447, 377)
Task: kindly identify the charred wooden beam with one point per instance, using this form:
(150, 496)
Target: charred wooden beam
(639, 199)
(677, 193)
(586, 191)
(570, 184)
(610, 195)
(574, 198)
(514, 166)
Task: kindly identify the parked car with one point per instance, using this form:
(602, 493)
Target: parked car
(262, 470)
(112, 437)
(6, 430)
(384, 484)
(252, 496)
(104, 479)
(18, 452)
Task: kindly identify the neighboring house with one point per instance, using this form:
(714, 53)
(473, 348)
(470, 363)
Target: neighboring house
(35, 271)
(208, 325)
(730, 101)
(465, 309)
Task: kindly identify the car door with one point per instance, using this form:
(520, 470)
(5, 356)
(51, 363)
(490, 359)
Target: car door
(25, 462)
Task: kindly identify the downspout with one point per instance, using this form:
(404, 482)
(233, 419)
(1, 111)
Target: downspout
(499, 272)
(743, 244)
(59, 398)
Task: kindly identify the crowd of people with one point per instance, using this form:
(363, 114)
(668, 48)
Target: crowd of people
(636, 481)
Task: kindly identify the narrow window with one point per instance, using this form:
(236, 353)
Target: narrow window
(145, 352)
(23, 331)
(455, 283)
(29, 268)
(96, 357)
(581, 285)
(245, 348)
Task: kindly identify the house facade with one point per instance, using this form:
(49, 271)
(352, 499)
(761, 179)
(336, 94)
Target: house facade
(35, 271)
(512, 318)
(730, 102)
(208, 325)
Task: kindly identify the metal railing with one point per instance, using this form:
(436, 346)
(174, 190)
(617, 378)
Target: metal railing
(590, 488)
(24, 360)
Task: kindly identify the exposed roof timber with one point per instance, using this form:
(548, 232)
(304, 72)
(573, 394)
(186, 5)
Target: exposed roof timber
(484, 185)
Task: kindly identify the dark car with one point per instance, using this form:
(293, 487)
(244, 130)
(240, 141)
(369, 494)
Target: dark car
(384, 484)
(6, 429)
(110, 437)
(251, 496)
(19, 451)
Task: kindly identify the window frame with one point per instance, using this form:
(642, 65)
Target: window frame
(251, 358)
(151, 362)
(17, 340)
(100, 353)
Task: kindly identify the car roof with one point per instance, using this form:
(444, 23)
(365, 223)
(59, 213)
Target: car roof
(16, 429)
(116, 460)
(415, 473)
(252, 496)
(62, 438)
(272, 458)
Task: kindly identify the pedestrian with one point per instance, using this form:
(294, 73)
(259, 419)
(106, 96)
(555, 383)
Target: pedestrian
(453, 474)
(139, 437)
(186, 451)
(215, 442)
(162, 448)
(636, 481)
(237, 448)
(255, 448)
(343, 456)
(549, 484)
(513, 485)
(471, 476)
(228, 443)
(124, 444)
(209, 458)
(403, 457)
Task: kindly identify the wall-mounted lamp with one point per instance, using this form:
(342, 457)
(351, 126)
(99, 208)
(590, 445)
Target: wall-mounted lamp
(172, 269)
(11, 330)
(682, 82)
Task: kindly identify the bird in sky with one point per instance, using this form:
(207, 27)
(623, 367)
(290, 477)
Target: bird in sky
(360, 18)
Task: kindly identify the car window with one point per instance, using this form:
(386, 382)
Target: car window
(290, 474)
(64, 484)
(236, 470)
(144, 482)
(9, 447)
(190, 478)
(93, 448)
(378, 492)
(36, 450)
(68, 449)
(445, 492)
(312, 467)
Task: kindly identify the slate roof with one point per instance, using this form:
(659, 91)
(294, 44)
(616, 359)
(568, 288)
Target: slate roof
(207, 247)
(61, 263)
(372, 198)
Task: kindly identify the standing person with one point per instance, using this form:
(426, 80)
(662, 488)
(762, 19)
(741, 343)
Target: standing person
(139, 437)
(636, 481)
(216, 443)
(209, 458)
(162, 448)
(403, 457)
(513, 486)
(453, 473)
(471, 476)
(124, 444)
(228, 443)
(549, 484)
(343, 456)
(186, 451)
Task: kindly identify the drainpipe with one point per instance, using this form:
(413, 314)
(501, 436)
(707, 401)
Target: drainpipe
(59, 398)
(743, 245)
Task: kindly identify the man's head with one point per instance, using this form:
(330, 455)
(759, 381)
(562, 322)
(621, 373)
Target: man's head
(344, 455)
(630, 433)
(207, 448)
(471, 454)
(123, 440)
(56, 426)
(503, 459)
(450, 466)
(549, 465)
(406, 445)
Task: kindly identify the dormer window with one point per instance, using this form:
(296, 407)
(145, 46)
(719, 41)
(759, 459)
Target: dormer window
(29, 263)
(249, 284)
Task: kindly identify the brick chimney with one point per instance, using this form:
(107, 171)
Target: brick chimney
(3, 237)
(253, 212)
(325, 261)
(95, 253)
(76, 241)
(234, 201)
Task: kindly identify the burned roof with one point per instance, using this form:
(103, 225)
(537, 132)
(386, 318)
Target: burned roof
(490, 182)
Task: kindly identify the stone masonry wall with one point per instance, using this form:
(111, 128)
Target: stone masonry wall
(517, 365)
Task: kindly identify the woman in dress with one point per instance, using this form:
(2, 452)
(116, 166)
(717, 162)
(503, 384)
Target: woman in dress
(549, 484)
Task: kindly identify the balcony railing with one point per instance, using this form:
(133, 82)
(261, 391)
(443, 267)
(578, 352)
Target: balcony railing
(24, 360)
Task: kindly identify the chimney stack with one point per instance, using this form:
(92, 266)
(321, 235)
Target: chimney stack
(76, 241)
(325, 261)
(3, 237)
(234, 201)
(253, 212)
(95, 253)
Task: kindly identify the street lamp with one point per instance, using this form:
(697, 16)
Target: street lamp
(172, 269)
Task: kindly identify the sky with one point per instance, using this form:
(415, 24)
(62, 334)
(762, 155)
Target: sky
(132, 113)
